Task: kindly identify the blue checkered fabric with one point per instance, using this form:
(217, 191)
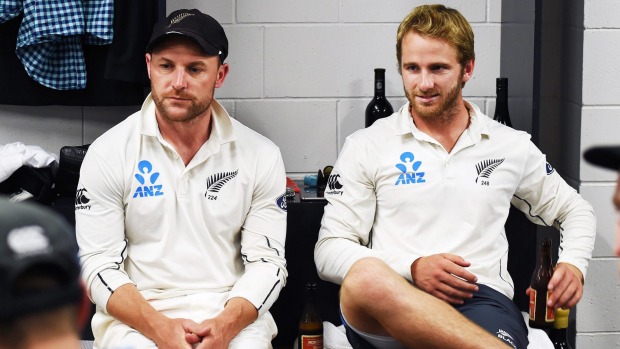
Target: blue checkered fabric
(9, 9)
(99, 16)
(52, 34)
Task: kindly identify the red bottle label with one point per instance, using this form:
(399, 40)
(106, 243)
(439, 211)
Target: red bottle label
(312, 342)
(549, 313)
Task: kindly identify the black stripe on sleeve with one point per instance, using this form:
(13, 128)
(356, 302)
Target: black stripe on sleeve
(269, 294)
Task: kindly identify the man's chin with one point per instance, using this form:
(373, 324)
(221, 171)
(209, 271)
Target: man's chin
(175, 114)
(426, 111)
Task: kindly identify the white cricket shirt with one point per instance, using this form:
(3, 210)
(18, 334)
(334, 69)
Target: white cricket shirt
(395, 193)
(215, 225)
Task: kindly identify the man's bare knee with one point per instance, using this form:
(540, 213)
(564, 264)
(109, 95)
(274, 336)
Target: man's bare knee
(369, 277)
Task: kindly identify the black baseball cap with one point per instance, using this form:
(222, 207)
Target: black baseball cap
(604, 156)
(36, 241)
(204, 29)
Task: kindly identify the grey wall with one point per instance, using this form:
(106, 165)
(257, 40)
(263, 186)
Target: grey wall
(592, 109)
(301, 74)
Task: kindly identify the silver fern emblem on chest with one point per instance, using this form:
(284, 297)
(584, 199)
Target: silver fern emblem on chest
(486, 167)
(217, 181)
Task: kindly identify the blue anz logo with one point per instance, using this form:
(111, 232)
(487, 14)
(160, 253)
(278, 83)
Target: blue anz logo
(409, 177)
(145, 169)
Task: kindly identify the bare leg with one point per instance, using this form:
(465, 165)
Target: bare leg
(377, 300)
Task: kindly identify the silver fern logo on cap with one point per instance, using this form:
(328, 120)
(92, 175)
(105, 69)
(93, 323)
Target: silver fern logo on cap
(181, 16)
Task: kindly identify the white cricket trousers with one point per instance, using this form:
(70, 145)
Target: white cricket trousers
(110, 333)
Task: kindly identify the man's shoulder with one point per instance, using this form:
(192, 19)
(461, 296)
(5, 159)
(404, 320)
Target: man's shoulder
(501, 132)
(379, 134)
(118, 136)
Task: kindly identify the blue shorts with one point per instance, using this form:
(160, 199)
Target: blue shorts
(489, 308)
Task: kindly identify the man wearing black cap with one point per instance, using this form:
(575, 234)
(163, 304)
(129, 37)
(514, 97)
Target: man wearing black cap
(608, 157)
(41, 297)
(180, 209)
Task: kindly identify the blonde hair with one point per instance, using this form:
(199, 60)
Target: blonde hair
(438, 21)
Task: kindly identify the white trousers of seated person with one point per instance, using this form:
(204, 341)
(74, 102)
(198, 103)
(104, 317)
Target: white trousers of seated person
(111, 333)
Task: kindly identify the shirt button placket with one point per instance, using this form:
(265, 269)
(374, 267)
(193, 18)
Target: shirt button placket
(183, 186)
(450, 172)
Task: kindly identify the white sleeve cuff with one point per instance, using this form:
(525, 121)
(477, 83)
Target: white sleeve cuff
(260, 287)
(104, 284)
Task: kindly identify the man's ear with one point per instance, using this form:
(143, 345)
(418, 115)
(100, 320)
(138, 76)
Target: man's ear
(222, 72)
(148, 58)
(468, 70)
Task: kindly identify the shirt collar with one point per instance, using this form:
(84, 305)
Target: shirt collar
(478, 125)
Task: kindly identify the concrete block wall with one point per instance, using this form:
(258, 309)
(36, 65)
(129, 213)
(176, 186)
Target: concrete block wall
(301, 74)
(302, 71)
(595, 110)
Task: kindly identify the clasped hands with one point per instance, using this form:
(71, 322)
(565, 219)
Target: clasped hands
(445, 276)
(187, 334)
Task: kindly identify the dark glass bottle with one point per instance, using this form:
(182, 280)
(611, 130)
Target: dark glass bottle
(541, 315)
(558, 332)
(501, 102)
(310, 324)
(379, 107)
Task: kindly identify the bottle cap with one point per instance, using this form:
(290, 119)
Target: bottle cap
(501, 82)
(561, 318)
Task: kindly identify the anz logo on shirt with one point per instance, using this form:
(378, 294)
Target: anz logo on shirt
(150, 188)
(409, 169)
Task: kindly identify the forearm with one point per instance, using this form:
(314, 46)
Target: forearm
(128, 306)
(238, 313)
(219, 331)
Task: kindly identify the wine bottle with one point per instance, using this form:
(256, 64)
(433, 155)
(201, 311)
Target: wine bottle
(541, 315)
(501, 102)
(310, 324)
(558, 332)
(379, 106)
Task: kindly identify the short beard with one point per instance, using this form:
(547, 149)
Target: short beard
(443, 113)
(195, 109)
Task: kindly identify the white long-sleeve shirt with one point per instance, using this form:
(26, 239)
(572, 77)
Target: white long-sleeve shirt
(395, 193)
(215, 225)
